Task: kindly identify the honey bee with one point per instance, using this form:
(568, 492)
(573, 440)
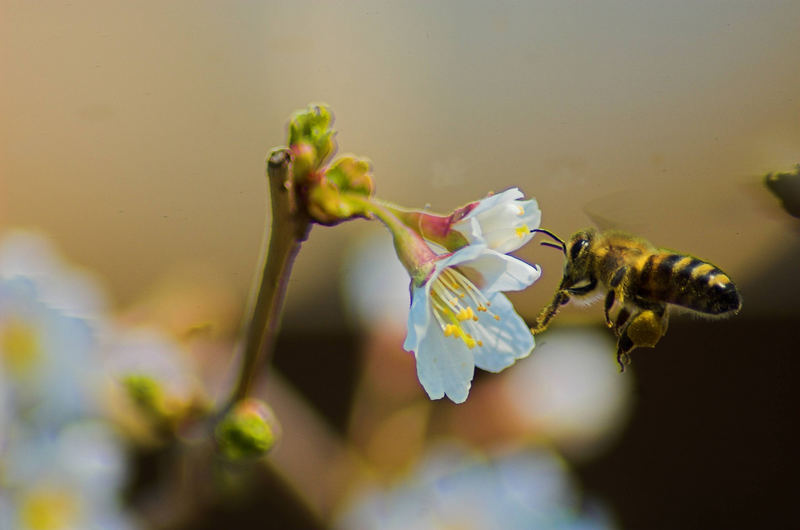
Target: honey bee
(641, 280)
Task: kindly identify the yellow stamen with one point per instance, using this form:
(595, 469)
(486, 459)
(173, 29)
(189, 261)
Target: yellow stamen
(49, 510)
(466, 314)
(20, 345)
(454, 301)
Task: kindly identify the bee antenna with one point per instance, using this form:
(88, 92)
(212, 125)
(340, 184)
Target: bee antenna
(552, 245)
(561, 245)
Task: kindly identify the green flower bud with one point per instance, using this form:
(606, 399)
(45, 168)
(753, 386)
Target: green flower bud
(304, 160)
(249, 430)
(313, 126)
(327, 206)
(146, 394)
(353, 174)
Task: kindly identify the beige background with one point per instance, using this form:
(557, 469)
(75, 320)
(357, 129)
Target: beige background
(135, 133)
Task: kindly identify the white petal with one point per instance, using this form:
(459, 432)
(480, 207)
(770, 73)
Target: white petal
(498, 198)
(462, 255)
(503, 273)
(471, 229)
(532, 215)
(496, 220)
(506, 240)
(445, 365)
(506, 340)
(418, 317)
(501, 230)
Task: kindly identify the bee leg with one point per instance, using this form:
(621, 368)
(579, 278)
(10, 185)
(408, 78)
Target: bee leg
(543, 320)
(623, 358)
(625, 344)
(609, 303)
(615, 292)
(643, 330)
(622, 317)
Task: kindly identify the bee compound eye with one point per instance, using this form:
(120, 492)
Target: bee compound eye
(577, 247)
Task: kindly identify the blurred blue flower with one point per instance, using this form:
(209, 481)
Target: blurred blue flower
(49, 360)
(49, 318)
(60, 468)
(68, 481)
(59, 285)
(455, 489)
(154, 383)
(569, 394)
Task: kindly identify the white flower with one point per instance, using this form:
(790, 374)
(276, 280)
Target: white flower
(71, 480)
(502, 221)
(454, 488)
(50, 314)
(570, 393)
(455, 325)
(59, 284)
(153, 382)
(49, 359)
(149, 353)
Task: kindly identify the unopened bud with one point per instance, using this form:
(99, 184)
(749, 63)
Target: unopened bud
(327, 206)
(304, 160)
(352, 174)
(146, 394)
(249, 430)
(313, 127)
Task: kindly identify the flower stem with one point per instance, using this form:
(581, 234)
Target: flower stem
(415, 255)
(289, 228)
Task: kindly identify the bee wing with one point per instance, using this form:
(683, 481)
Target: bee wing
(628, 210)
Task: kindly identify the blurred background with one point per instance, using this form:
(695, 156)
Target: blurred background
(133, 142)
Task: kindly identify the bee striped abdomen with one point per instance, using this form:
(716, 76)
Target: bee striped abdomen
(688, 282)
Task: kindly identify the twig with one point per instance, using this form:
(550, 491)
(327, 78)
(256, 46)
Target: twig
(289, 228)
